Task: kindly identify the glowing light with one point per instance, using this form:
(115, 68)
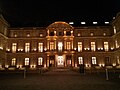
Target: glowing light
(94, 22)
(75, 65)
(83, 23)
(20, 66)
(35, 49)
(112, 48)
(71, 22)
(1, 48)
(88, 48)
(8, 50)
(6, 66)
(45, 49)
(100, 65)
(101, 48)
(71, 31)
(114, 64)
(75, 48)
(98, 48)
(86, 65)
(106, 22)
(44, 65)
(0, 66)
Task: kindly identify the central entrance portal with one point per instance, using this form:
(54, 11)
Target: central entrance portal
(60, 61)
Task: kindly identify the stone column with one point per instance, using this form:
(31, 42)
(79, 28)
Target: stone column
(47, 60)
(48, 44)
(73, 62)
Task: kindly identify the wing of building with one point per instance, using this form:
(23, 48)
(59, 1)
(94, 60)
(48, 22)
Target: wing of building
(60, 45)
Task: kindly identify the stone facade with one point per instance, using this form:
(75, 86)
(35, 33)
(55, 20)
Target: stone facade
(60, 45)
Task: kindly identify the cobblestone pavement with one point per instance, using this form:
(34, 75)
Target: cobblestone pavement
(57, 79)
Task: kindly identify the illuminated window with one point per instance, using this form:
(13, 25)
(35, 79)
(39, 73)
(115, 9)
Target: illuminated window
(27, 47)
(80, 60)
(13, 62)
(26, 61)
(51, 45)
(93, 46)
(40, 61)
(14, 47)
(68, 46)
(60, 45)
(40, 47)
(79, 46)
(114, 29)
(106, 46)
(94, 60)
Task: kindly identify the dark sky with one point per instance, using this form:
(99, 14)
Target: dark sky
(44, 12)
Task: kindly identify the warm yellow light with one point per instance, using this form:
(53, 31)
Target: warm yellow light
(45, 49)
(44, 65)
(86, 65)
(20, 66)
(88, 48)
(98, 48)
(35, 49)
(8, 49)
(0, 66)
(114, 64)
(19, 50)
(103, 65)
(1, 48)
(100, 65)
(71, 31)
(75, 65)
(74, 48)
(112, 48)
(6, 66)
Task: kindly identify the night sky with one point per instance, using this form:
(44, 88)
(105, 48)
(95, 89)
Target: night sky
(25, 13)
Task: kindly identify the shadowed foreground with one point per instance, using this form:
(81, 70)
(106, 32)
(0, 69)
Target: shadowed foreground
(57, 80)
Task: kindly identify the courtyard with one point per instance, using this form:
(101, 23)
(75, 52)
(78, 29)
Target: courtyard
(58, 79)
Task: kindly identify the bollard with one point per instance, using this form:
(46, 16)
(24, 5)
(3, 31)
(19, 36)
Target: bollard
(25, 73)
(106, 74)
(40, 71)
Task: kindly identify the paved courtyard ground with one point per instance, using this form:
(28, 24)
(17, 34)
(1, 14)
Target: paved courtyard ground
(59, 80)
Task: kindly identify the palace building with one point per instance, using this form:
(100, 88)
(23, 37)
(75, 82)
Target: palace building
(60, 45)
